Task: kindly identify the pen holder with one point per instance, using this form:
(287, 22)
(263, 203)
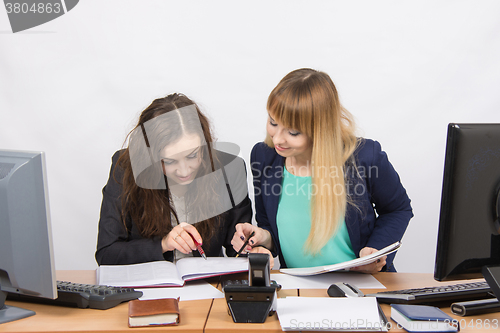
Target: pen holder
(251, 301)
(249, 304)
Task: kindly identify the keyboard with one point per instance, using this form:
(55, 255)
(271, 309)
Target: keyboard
(441, 294)
(83, 296)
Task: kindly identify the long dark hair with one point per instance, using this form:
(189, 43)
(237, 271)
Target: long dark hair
(151, 207)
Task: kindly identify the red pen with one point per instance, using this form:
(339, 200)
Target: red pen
(198, 246)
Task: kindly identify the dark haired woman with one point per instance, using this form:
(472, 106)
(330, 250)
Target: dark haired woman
(169, 187)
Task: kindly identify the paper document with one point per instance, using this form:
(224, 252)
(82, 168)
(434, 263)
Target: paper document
(167, 274)
(343, 265)
(192, 290)
(323, 281)
(330, 314)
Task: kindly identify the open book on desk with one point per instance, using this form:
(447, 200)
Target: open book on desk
(306, 271)
(168, 274)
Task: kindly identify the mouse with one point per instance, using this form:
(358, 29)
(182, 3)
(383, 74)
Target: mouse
(342, 289)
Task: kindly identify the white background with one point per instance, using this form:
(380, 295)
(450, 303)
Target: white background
(74, 87)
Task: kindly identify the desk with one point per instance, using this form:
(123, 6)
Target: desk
(397, 281)
(202, 315)
(219, 320)
(60, 319)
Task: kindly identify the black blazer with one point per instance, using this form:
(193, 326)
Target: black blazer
(117, 245)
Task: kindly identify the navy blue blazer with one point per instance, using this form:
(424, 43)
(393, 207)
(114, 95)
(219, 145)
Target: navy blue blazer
(380, 211)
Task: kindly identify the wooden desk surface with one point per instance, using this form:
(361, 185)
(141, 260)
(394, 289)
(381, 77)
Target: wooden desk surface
(397, 281)
(220, 321)
(60, 319)
(207, 315)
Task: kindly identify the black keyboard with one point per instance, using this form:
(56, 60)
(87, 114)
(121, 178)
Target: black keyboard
(441, 294)
(83, 296)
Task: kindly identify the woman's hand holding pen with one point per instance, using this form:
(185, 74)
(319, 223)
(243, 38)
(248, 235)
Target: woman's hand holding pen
(181, 238)
(260, 242)
(244, 230)
(374, 267)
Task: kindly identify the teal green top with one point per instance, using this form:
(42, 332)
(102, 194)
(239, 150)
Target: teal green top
(294, 224)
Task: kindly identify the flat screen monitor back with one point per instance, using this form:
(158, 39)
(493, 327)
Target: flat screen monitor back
(26, 260)
(469, 226)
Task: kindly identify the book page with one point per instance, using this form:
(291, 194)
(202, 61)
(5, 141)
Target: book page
(193, 268)
(305, 271)
(157, 273)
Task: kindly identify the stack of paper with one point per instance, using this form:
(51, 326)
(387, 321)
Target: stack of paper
(330, 314)
(323, 281)
(192, 290)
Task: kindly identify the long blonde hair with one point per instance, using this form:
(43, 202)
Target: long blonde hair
(306, 100)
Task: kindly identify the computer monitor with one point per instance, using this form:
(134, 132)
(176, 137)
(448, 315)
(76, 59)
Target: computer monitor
(469, 223)
(26, 254)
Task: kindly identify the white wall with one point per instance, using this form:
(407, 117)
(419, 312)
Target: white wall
(74, 87)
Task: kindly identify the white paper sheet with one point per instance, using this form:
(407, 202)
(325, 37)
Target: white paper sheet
(191, 291)
(323, 281)
(329, 314)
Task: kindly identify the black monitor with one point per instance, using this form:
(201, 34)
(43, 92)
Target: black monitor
(469, 223)
(26, 254)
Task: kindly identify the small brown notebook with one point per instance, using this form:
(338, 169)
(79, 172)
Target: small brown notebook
(153, 312)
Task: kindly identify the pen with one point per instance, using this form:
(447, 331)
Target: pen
(245, 244)
(385, 322)
(198, 246)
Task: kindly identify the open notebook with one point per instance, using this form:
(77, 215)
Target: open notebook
(305, 271)
(168, 274)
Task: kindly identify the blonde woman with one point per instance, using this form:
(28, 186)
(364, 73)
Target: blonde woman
(322, 195)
